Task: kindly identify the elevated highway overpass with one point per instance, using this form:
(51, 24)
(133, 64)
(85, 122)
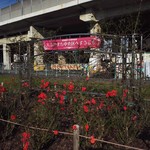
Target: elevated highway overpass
(53, 14)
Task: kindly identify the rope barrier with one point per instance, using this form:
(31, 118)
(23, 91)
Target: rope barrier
(71, 134)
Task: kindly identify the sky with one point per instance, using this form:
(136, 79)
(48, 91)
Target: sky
(5, 3)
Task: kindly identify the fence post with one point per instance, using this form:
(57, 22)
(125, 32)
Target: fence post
(76, 138)
(2, 84)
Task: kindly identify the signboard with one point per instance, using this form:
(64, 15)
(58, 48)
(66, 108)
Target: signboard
(72, 43)
(66, 67)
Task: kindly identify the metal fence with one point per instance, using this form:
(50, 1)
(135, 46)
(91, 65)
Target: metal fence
(118, 57)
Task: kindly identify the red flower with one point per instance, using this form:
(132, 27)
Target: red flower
(92, 140)
(26, 145)
(64, 85)
(125, 92)
(55, 132)
(62, 108)
(62, 97)
(85, 108)
(71, 87)
(25, 84)
(2, 89)
(25, 136)
(88, 102)
(45, 85)
(101, 105)
(109, 107)
(61, 102)
(134, 118)
(42, 96)
(56, 95)
(75, 100)
(55, 83)
(42, 81)
(93, 101)
(87, 78)
(83, 89)
(64, 92)
(112, 93)
(74, 127)
(124, 108)
(43, 103)
(13, 117)
(86, 127)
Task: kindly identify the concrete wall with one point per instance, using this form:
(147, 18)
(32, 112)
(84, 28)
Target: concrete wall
(30, 6)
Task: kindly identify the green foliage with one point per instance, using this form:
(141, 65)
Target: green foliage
(101, 109)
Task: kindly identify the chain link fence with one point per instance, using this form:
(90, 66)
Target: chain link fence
(118, 58)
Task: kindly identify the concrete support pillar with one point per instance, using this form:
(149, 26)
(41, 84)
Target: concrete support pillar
(38, 57)
(6, 57)
(94, 60)
(95, 28)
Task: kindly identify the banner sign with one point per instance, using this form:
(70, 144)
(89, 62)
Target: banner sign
(66, 67)
(72, 43)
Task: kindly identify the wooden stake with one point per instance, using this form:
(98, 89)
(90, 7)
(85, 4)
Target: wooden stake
(76, 138)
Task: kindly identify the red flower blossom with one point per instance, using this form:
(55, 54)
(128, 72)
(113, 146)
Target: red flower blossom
(56, 95)
(112, 93)
(2, 89)
(26, 145)
(125, 93)
(83, 89)
(55, 83)
(101, 105)
(124, 108)
(64, 92)
(74, 127)
(61, 102)
(62, 108)
(25, 84)
(88, 102)
(25, 136)
(85, 108)
(92, 140)
(62, 97)
(44, 84)
(55, 132)
(75, 100)
(13, 117)
(43, 103)
(42, 81)
(93, 101)
(86, 127)
(134, 118)
(64, 85)
(87, 78)
(109, 107)
(71, 87)
(42, 96)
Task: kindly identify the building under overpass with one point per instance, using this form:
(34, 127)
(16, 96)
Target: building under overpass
(28, 19)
